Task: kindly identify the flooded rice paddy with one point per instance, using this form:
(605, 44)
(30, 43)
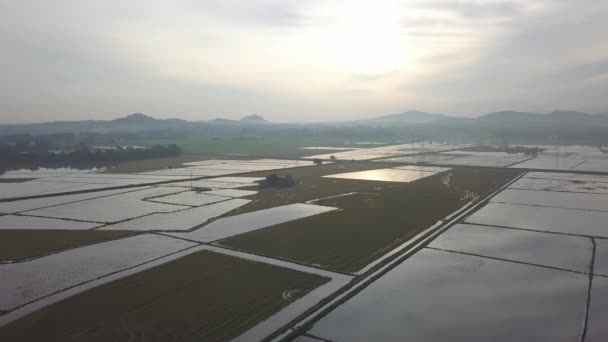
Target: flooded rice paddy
(552, 250)
(36, 187)
(443, 296)
(484, 160)
(30, 222)
(111, 208)
(372, 223)
(515, 266)
(601, 257)
(592, 165)
(528, 251)
(232, 192)
(559, 220)
(574, 177)
(35, 203)
(32, 280)
(423, 168)
(43, 172)
(560, 185)
(180, 220)
(423, 158)
(567, 200)
(598, 311)
(188, 198)
(203, 296)
(243, 223)
(389, 151)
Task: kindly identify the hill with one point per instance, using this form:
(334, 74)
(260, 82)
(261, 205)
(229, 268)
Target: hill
(254, 119)
(571, 126)
(411, 116)
(137, 118)
(571, 115)
(511, 116)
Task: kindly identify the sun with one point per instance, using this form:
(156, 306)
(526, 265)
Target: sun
(366, 40)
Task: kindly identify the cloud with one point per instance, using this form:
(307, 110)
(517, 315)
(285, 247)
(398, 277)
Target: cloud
(246, 13)
(479, 9)
(294, 60)
(530, 65)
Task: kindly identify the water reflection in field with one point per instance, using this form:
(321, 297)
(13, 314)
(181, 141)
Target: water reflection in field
(441, 296)
(386, 175)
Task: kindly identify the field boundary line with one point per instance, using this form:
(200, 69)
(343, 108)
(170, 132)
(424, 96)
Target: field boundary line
(589, 291)
(505, 260)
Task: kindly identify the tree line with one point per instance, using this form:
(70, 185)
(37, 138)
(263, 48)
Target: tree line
(33, 152)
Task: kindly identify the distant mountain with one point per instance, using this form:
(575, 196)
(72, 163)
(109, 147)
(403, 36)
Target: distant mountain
(411, 116)
(570, 115)
(131, 123)
(256, 119)
(554, 117)
(251, 119)
(512, 116)
(223, 121)
(137, 118)
(520, 123)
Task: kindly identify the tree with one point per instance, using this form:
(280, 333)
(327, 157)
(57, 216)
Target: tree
(333, 157)
(42, 144)
(174, 150)
(272, 178)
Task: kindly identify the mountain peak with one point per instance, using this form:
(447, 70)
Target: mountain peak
(136, 117)
(253, 119)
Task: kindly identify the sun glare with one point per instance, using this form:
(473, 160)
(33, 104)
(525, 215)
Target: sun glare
(367, 40)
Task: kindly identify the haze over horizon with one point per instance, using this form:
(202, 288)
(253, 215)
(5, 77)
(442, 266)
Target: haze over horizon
(299, 61)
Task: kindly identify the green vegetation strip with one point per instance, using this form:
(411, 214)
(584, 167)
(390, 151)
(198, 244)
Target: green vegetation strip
(15, 180)
(269, 146)
(371, 225)
(27, 244)
(135, 166)
(201, 297)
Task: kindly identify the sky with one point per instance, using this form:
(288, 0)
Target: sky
(299, 60)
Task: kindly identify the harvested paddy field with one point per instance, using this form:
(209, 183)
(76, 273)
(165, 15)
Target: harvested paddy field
(369, 224)
(201, 297)
(26, 244)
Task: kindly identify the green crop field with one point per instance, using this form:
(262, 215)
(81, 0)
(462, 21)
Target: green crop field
(268, 146)
(26, 244)
(201, 297)
(370, 225)
(14, 180)
(312, 184)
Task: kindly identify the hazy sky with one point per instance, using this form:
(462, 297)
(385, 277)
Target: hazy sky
(298, 60)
